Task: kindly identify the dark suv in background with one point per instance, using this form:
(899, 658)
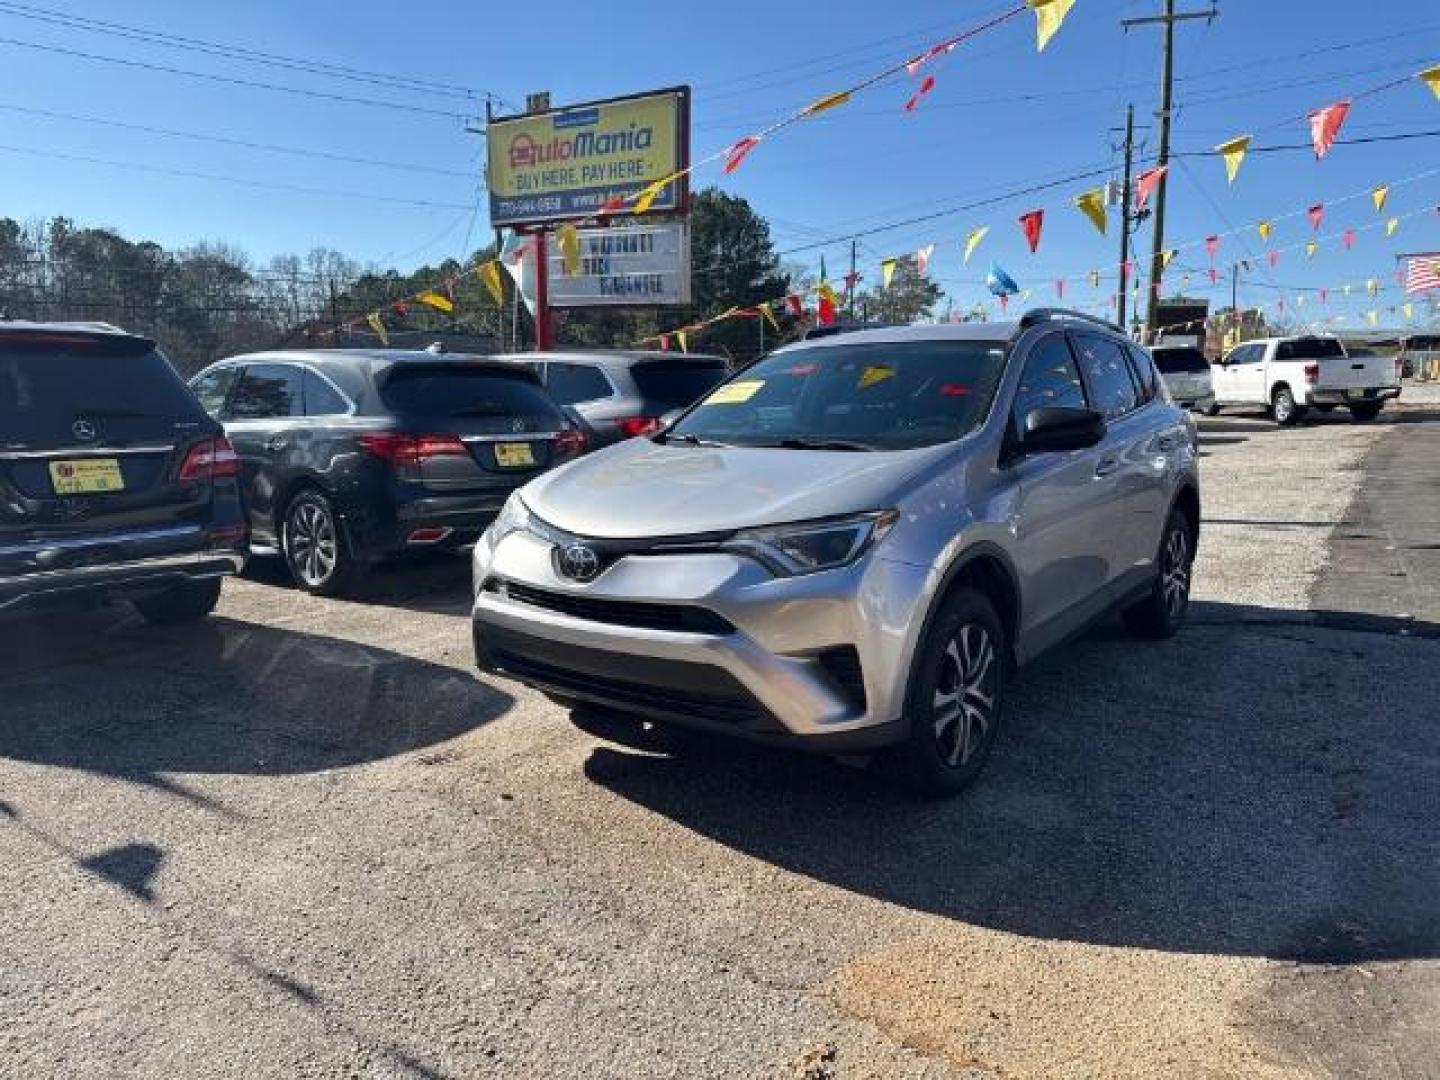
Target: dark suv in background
(114, 484)
(619, 395)
(349, 457)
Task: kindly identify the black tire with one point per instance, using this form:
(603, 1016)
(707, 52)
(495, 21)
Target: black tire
(1363, 414)
(956, 700)
(1284, 409)
(1162, 612)
(1210, 410)
(183, 603)
(1323, 408)
(632, 731)
(314, 546)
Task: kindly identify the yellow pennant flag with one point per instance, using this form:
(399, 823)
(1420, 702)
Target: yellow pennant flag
(770, 317)
(1379, 195)
(1234, 153)
(1049, 14)
(1372, 287)
(1431, 77)
(377, 324)
(1373, 318)
(684, 339)
(1310, 248)
(1092, 205)
(1409, 310)
(1165, 257)
(1264, 229)
(569, 238)
(490, 275)
(651, 193)
(825, 104)
(973, 241)
(887, 271)
(438, 301)
(1391, 226)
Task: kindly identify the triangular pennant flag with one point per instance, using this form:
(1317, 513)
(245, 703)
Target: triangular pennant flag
(1325, 125)
(1264, 229)
(738, 152)
(887, 271)
(1049, 14)
(1060, 288)
(1391, 226)
(797, 305)
(1004, 301)
(1431, 78)
(1373, 318)
(436, 301)
(653, 192)
(1212, 245)
(973, 241)
(1274, 257)
(1126, 270)
(664, 342)
(1092, 205)
(1033, 223)
(1317, 215)
(1348, 239)
(770, 317)
(916, 63)
(1166, 257)
(1146, 182)
(1214, 276)
(684, 339)
(569, 238)
(377, 324)
(1379, 195)
(825, 104)
(1372, 287)
(922, 259)
(926, 85)
(1234, 153)
(999, 282)
(1409, 310)
(401, 308)
(1310, 248)
(612, 205)
(490, 275)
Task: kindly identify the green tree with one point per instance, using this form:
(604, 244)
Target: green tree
(910, 297)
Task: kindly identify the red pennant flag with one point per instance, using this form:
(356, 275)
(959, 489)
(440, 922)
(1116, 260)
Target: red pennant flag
(1274, 258)
(915, 64)
(825, 314)
(1004, 301)
(1214, 276)
(851, 280)
(1126, 271)
(738, 152)
(1212, 245)
(664, 342)
(1146, 183)
(926, 85)
(1317, 215)
(612, 205)
(1325, 126)
(1060, 288)
(1032, 223)
(797, 305)
(400, 307)
(1348, 239)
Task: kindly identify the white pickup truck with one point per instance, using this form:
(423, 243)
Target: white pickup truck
(1293, 375)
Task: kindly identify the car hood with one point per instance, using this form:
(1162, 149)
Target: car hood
(638, 489)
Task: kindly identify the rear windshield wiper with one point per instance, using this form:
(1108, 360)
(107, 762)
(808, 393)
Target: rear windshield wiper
(820, 444)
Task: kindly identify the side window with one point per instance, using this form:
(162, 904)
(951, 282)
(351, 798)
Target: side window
(213, 388)
(1151, 385)
(321, 399)
(267, 392)
(1050, 378)
(572, 383)
(1107, 376)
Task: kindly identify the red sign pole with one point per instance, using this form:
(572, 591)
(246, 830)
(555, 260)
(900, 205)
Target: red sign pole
(544, 331)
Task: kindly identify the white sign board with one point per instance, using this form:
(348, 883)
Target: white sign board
(624, 266)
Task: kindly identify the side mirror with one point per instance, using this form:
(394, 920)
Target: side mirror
(1056, 430)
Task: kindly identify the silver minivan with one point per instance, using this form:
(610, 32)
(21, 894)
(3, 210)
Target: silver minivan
(854, 543)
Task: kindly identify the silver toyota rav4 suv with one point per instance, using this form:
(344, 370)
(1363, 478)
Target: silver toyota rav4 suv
(853, 544)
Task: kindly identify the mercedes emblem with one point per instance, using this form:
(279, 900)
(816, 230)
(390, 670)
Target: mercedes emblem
(579, 563)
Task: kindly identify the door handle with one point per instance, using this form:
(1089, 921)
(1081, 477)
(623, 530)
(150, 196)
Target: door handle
(277, 443)
(1107, 466)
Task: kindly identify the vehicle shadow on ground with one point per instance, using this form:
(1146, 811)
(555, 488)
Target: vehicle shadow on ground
(1264, 785)
(433, 583)
(104, 692)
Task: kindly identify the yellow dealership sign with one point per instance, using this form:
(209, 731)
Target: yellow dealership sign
(568, 163)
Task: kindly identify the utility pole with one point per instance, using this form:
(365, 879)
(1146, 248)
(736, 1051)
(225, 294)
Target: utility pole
(1167, 96)
(1125, 212)
(851, 280)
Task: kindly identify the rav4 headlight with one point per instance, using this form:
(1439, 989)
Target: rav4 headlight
(809, 547)
(514, 517)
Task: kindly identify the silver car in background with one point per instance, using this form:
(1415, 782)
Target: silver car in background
(1187, 376)
(852, 544)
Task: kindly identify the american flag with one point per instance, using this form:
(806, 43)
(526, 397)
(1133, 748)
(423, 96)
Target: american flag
(1422, 272)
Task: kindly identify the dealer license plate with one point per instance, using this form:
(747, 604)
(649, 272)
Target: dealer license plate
(514, 455)
(89, 476)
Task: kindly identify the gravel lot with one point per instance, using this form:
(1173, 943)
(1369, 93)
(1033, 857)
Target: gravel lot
(306, 840)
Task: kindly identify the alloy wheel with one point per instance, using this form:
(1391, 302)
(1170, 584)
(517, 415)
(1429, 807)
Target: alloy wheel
(310, 543)
(1175, 573)
(963, 709)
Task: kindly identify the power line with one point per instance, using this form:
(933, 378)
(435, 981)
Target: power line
(308, 66)
(243, 143)
(254, 84)
(218, 178)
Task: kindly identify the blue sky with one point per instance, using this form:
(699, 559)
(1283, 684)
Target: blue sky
(1000, 118)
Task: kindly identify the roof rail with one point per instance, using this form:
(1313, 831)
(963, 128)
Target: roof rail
(1035, 316)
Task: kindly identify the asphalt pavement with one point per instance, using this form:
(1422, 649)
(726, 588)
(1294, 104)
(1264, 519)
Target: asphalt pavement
(305, 839)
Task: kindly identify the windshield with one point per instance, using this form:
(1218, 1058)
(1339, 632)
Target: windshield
(1184, 361)
(882, 396)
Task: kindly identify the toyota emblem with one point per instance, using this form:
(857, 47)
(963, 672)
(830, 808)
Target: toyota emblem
(579, 563)
(83, 430)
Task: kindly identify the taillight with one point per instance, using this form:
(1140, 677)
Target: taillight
(1399, 368)
(211, 459)
(400, 448)
(1312, 372)
(570, 441)
(631, 426)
